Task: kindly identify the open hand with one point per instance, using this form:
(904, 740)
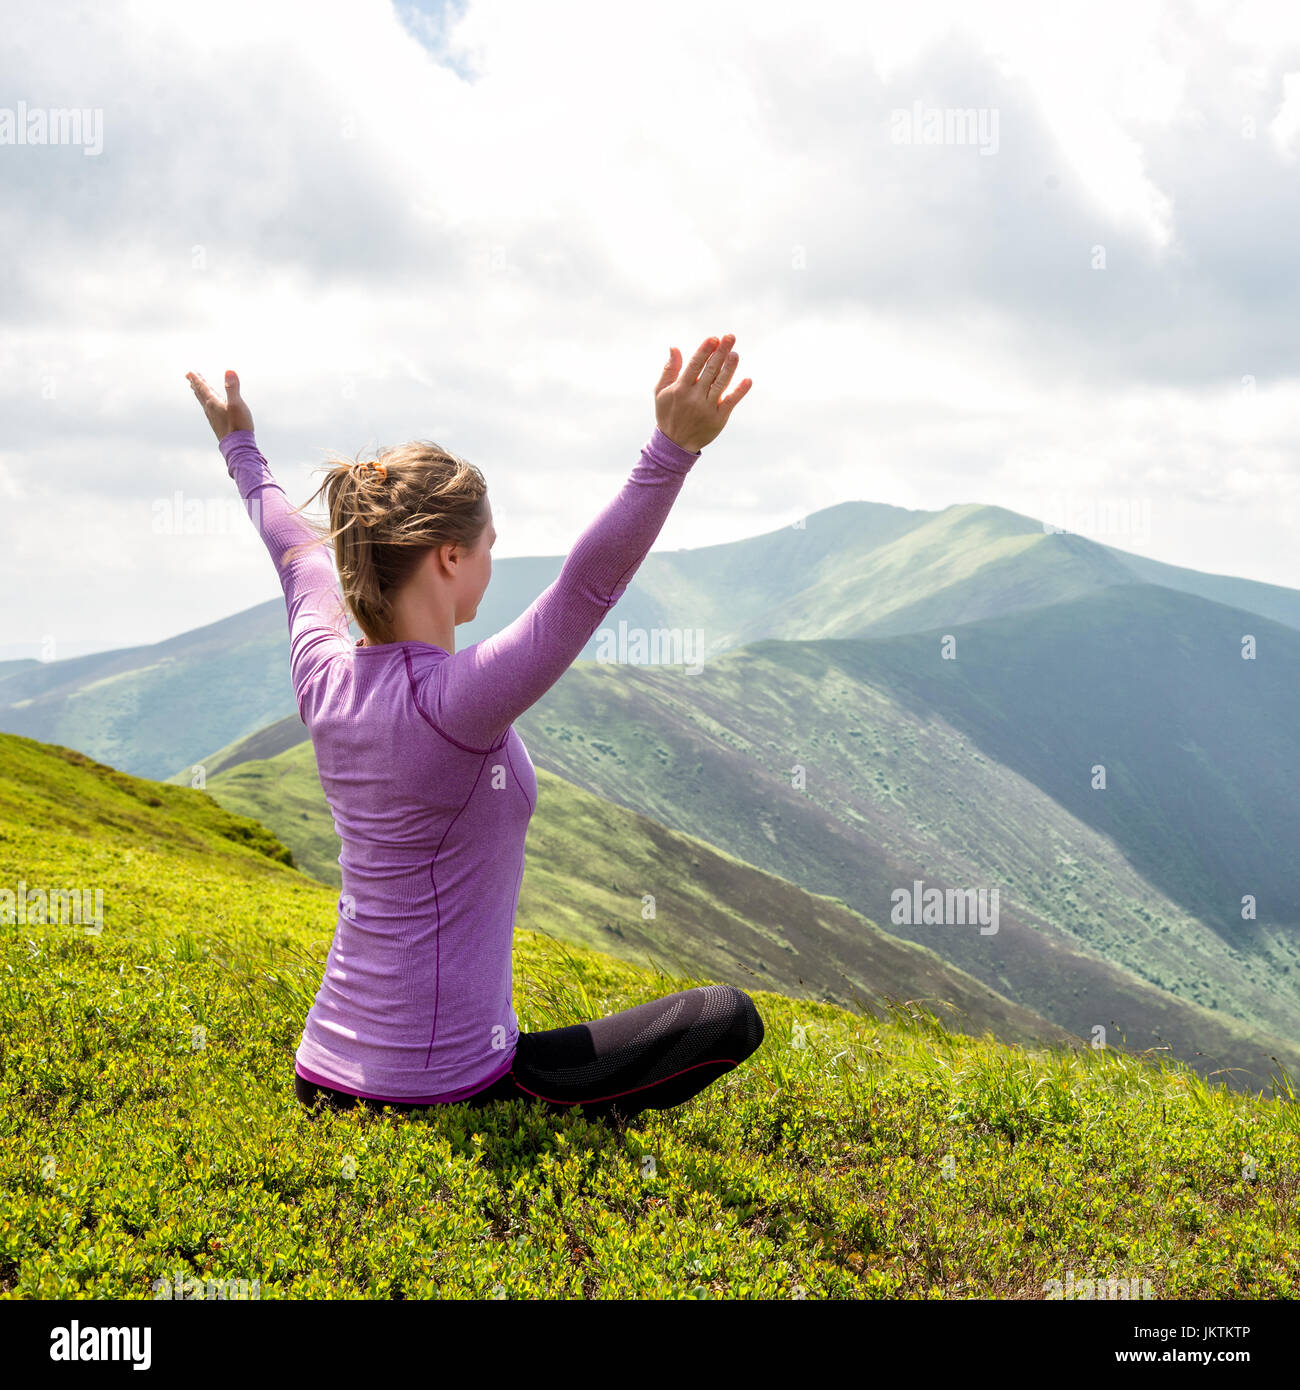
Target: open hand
(691, 409)
(223, 416)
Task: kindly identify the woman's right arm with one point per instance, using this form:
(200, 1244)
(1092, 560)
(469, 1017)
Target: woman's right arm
(474, 695)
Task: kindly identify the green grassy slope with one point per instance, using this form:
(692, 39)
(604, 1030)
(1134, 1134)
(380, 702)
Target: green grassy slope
(589, 864)
(958, 565)
(149, 1132)
(266, 742)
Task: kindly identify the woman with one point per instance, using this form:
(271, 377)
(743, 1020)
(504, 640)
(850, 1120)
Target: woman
(432, 789)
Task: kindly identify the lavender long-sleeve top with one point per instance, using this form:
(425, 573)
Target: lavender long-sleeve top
(432, 791)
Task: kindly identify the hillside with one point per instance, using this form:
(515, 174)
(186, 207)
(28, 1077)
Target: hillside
(149, 709)
(852, 1157)
(1273, 601)
(588, 864)
(1201, 747)
(956, 566)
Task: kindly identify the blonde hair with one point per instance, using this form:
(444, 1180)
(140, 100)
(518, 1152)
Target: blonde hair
(386, 515)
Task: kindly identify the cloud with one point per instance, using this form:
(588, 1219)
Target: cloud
(485, 224)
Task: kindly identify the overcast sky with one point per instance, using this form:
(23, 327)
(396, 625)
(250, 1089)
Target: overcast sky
(485, 224)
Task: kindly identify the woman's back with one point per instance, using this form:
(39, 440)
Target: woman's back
(416, 996)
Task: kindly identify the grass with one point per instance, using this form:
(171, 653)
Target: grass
(149, 1131)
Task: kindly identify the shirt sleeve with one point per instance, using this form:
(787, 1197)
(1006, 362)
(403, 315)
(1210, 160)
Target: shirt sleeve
(318, 626)
(474, 695)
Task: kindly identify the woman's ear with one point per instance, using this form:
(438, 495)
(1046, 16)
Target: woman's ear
(441, 561)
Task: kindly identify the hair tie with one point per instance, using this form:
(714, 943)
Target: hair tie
(380, 470)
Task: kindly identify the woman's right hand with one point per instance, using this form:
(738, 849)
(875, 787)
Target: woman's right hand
(690, 408)
(224, 416)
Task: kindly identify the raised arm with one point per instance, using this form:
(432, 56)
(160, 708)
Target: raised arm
(318, 629)
(474, 695)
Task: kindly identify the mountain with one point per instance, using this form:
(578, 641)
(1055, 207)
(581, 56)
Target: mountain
(1200, 749)
(857, 569)
(1273, 601)
(148, 709)
(976, 772)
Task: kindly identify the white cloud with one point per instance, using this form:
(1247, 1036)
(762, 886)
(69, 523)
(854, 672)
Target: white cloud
(1285, 126)
(485, 224)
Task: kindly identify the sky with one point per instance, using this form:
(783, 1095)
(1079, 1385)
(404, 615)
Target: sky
(1034, 256)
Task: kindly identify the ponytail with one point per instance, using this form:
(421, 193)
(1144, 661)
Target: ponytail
(386, 515)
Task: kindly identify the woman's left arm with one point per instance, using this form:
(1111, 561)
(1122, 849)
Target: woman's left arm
(318, 627)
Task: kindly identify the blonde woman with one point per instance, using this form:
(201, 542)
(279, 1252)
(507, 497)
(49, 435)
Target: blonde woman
(432, 789)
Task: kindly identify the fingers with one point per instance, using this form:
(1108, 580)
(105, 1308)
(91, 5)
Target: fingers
(701, 357)
(728, 368)
(201, 388)
(737, 395)
(720, 358)
(669, 373)
(205, 392)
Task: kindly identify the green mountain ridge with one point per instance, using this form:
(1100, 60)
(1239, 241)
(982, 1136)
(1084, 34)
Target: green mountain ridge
(977, 769)
(1201, 747)
(897, 792)
(852, 570)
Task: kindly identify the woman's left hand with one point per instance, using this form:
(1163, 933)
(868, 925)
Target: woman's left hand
(223, 416)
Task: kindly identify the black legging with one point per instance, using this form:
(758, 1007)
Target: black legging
(649, 1057)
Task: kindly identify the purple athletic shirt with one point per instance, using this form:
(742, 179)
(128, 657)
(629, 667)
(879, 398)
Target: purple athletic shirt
(432, 791)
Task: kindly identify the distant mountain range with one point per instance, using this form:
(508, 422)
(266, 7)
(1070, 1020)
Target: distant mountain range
(858, 569)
